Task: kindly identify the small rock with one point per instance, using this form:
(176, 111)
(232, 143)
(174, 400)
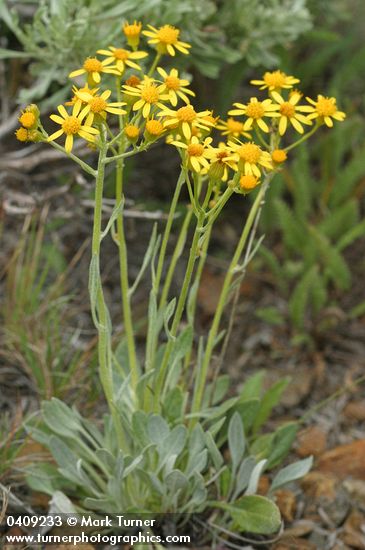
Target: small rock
(355, 410)
(299, 387)
(311, 441)
(263, 486)
(316, 485)
(300, 528)
(345, 460)
(286, 503)
(356, 489)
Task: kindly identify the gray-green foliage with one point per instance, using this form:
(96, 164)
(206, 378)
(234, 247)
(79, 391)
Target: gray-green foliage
(319, 222)
(63, 33)
(167, 467)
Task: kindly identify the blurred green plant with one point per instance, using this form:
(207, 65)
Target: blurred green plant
(35, 311)
(167, 467)
(316, 208)
(62, 33)
(10, 443)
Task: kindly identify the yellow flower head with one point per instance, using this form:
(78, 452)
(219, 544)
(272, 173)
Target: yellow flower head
(132, 132)
(132, 32)
(232, 128)
(149, 95)
(249, 158)
(289, 111)
(175, 86)
(249, 182)
(275, 81)
(28, 119)
(186, 120)
(324, 110)
(154, 129)
(97, 105)
(72, 126)
(220, 161)
(255, 110)
(133, 81)
(122, 58)
(93, 68)
(21, 134)
(196, 153)
(166, 40)
(279, 156)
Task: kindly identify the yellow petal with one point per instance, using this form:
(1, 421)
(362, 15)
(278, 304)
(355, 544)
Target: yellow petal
(69, 143)
(55, 135)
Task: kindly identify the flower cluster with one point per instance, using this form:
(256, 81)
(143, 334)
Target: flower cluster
(155, 102)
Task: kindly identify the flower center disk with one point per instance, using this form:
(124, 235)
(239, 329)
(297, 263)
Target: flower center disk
(97, 104)
(287, 109)
(71, 125)
(186, 114)
(92, 65)
(172, 83)
(326, 107)
(150, 94)
(121, 54)
(255, 110)
(276, 79)
(195, 150)
(234, 125)
(168, 34)
(249, 152)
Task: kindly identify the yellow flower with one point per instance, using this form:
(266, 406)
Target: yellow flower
(72, 125)
(290, 111)
(154, 129)
(149, 95)
(166, 39)
(132, 132)
(133, 81)
(132, 32)
(94, 68)
(249, 157)
(175, 86)
(220, 161)
(232, 128)
(122, 58)
(21, 134)
(85, 89)
(186, 119)
(279, 156)
(325, 109)
(249, 182)
(98, 105)
(196, 153)
(28, 119)
(275, 81)
(255, 110)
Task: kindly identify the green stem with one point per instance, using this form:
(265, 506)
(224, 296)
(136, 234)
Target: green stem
(124, 285)
(100, 313)
(158, 385)
(104, 340)
(154, 64)
(127, 154)
(76, 159)
(123, 261)
(261, 139)
(303, 138)
(203, 372)
(166, 236)
(175, 257)
(199, 271)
